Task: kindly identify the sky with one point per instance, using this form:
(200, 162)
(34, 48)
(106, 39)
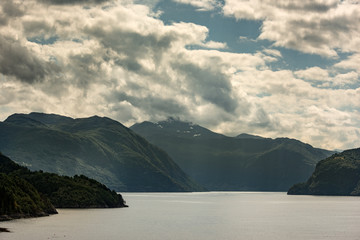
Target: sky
(265, 67)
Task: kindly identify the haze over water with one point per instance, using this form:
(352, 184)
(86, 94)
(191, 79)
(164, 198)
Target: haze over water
(211, 215)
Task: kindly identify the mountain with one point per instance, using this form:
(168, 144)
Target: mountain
(335, 175)
(246, 136)
(97, 147)
(245, 162)
(31, 194)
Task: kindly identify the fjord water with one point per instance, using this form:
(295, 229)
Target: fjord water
(211, 215)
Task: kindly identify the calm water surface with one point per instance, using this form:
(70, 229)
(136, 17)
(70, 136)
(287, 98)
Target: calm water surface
(214, 215)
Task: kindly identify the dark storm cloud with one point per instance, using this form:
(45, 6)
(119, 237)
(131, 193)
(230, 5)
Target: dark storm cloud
(3, 20)
(37, 27)
(151, 104)
(134, 46)
(18, 61)
(129, 63)
(263, 121)
(212, 86)
(85, 68)
(10, 10)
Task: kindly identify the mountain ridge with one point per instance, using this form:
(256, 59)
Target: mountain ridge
(183, 128)
(220, 162)
(97, 147)
(246, 135)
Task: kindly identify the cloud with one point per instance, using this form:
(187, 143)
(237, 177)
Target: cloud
(308, 5)
(262, 120)
(348, 78)
(35, 28)
(211, 86)
(10, 9)
(201, 5)
(272, 52)
(85, 68)
(327, 78)
(279, 103)
(352, 63)
(130, 47)
(153, 105)
(214, 45)
(314, 74)
(315, 27)
(20, 62)
(65, 2)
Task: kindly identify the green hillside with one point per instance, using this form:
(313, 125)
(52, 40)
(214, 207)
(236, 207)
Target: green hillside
(28, 194)
(18, 198)
(245, 162)
(96, 147)
(336, 175)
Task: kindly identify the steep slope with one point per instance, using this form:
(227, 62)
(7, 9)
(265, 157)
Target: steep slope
(24, 193)
(96, 147)
(336, 175)
(20, 199)
(245, 162)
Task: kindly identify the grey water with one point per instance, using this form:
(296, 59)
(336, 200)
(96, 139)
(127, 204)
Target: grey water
(210, 215)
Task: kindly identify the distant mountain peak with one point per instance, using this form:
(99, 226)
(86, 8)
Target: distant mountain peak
(178, 127)
(36, 117)
(23, 120)
(176, 120)
(173, 119)
(247, 136)
(172, 122)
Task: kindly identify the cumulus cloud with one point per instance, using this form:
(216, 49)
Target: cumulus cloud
(60, 2)
(201, 5)
(153, 105)
(314, 74)
(352, 63)
(214, 45)
(10, 9)
(328, 78)
(315, 27)
(211, 85)
(18, 61)
(273, 52)
(349, 78)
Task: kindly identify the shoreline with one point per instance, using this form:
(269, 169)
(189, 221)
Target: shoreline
(10, 217)
(4, 229)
